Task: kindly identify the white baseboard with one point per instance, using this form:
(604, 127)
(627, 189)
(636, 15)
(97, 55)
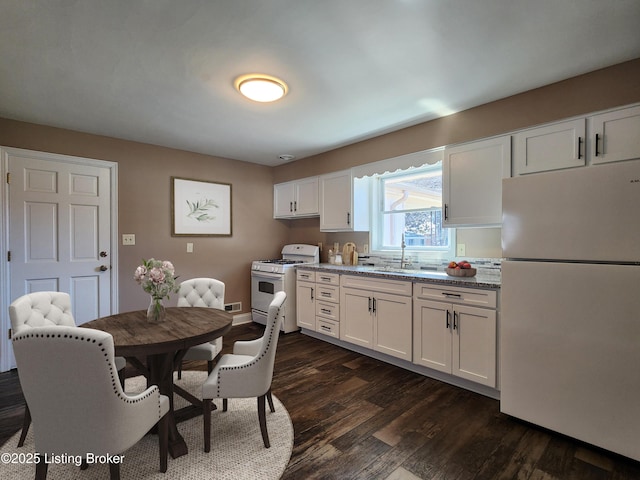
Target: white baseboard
(242, 318)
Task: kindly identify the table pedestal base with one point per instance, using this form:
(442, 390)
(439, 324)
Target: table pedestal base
(161, 374)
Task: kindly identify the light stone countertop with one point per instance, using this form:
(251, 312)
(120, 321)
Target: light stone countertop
(484, 278)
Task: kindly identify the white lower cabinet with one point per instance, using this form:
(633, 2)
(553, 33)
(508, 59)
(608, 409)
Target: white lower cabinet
(449, 329)
(318, 297)
(453, 337)
(376, 314)
(306, 300)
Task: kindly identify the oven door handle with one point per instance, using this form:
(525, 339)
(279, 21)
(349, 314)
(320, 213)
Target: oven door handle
(270, 276)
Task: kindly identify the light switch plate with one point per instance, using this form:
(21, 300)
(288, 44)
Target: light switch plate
(461, 250)
(189, 247)
(128, 239)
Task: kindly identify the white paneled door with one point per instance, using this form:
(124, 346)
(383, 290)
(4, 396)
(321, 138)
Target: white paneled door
(60, 230)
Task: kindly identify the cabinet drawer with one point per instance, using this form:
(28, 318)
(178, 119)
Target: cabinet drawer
(328, 310)
(306, 275)
(328, 293)
(396, 287)
(328, 327)
(466, 296)
(328, 278)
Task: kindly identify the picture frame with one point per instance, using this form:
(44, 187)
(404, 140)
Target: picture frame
(200, 208)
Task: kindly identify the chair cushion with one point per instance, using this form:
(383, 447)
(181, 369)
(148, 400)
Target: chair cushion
(120, 362)
(205, 351)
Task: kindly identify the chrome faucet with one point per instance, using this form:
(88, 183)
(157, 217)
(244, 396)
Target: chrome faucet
(402, 245)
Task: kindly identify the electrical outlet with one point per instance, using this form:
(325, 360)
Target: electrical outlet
(128, 239)
(189, 247)
(461, 250)
(365, 248)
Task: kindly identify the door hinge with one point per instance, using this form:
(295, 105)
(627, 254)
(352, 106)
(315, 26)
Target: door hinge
(8, 177)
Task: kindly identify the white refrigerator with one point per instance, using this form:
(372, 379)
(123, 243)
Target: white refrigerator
(570, 316)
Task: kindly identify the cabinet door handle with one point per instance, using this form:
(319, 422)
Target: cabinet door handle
(579, 148)
(326, 311)
(597, 138)
(290, 206)
(448, 323)
(369, 304)
(295, 206)
(374, 305)
(446, 211)
(348, 218)
(312, 294)
(455, 320)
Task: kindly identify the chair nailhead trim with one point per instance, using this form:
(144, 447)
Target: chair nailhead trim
(115, 381)
(242, 367)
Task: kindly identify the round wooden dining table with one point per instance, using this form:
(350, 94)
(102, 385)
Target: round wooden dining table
(156, 349)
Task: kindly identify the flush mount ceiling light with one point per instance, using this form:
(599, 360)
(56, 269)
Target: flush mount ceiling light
(261, 88)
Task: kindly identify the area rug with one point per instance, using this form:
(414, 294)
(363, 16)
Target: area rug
(237, 451)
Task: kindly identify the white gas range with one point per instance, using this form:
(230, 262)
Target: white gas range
(271, 276)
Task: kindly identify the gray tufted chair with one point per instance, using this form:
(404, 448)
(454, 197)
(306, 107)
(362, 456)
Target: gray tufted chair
(202, 292)
(69, 379)
(45, 309)
(247, 372)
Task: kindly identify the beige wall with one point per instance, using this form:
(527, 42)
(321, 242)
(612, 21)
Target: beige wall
(145, 171)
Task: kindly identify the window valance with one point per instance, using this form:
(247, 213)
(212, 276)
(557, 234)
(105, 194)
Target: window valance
(403, 162)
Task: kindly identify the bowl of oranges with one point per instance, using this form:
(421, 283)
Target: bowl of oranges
(460, 269)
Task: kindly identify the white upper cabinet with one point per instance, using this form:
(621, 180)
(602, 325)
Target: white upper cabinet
(298, 198)
(550, 147)
(472, 182)
(615, 136)
(605, 137)
(344, 202)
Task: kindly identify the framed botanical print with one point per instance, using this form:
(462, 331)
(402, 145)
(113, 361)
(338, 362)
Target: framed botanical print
(200, 208)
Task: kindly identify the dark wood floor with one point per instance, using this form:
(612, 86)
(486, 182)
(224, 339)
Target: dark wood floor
(358, 418)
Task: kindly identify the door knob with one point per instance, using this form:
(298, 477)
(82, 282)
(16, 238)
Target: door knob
(103, 254)
(103, 268)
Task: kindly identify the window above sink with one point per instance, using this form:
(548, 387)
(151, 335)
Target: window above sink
(409, 203)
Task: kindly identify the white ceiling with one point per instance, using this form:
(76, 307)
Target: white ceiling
(162, 71)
